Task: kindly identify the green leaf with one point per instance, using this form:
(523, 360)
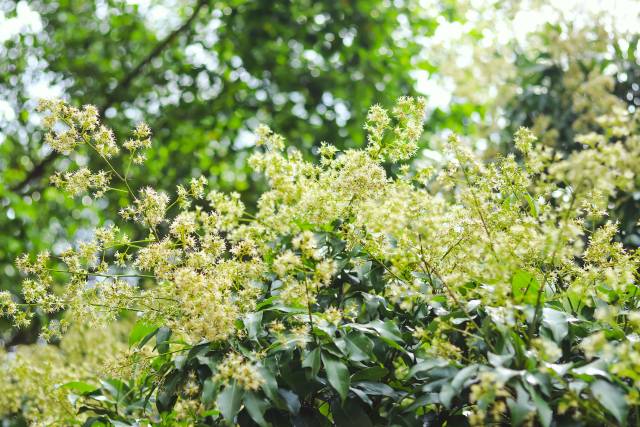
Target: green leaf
(350, 414)
(387, 330)
(358, 347)
(179, 361)
(115, 387)
(462, 376)
(337, 374)
(374, 388)
(533, 210)
(270, 384)
(519, 411)
(167, 394)
(312, 360)
(364, 271)
(140, 330)
(291, 400)
(611, 398)
(79, 387)
(424, 400)
(426, 365)
(362, 396)
(286, 309)
(24, 116)
(521, 408)
(447, 393)
(229, 401)
(556, 322)
(597, 367)
(96, 422)
(265, 303)
(370, 374)
(209, 389)
(499, 360)
(253, 324)
(545, 414)
(162, 339)
(256, 407)
(524, 288)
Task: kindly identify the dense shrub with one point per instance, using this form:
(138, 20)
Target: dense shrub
(465, 292)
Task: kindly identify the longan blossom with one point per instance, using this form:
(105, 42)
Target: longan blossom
(324, 272)
(307, 244)
(265, 136)
(141, 138)
(31, 376)
(80, 127)
(78, 182)
(184, 225)
(286, 262)
(151, 206)
(408, 114)
(235, 368)
(345, 246)
(524, 140)
(327, 151)
(105, 142)
(11, 310)
(228, 206)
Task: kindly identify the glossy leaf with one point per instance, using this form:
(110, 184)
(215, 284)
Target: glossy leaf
(337, 374)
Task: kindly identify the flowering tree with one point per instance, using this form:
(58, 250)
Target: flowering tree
(193, 71)
(466, 292)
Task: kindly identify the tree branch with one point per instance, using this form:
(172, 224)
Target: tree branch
(39, 169)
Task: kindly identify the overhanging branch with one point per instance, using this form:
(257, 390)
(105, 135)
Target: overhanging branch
(39, 169)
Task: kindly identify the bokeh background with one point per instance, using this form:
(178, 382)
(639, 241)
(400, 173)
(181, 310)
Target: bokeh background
(204, 73)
